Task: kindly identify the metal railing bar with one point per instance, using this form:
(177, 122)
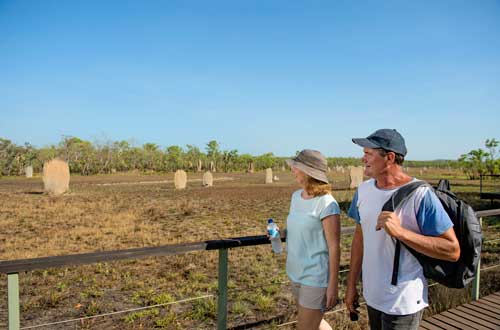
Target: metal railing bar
(487, 213)
(22, 265)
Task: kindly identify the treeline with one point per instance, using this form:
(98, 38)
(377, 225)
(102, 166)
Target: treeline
(352, 161)
(479, 161)
(87, 158)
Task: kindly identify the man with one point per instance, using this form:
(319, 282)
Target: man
(421, 223)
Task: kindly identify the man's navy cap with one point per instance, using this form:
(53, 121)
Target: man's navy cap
(386, 138)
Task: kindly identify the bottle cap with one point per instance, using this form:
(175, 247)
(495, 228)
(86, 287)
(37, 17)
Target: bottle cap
(270, 220)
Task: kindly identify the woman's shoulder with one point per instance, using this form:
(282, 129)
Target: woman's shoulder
(327, 199)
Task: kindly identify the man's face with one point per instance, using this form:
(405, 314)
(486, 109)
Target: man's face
(375, 164)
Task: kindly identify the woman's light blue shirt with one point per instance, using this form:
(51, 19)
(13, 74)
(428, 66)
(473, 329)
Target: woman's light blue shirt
(307, 250)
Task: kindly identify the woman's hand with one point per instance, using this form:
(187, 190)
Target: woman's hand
(332, 296)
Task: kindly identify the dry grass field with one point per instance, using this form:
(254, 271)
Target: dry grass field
(123, 211)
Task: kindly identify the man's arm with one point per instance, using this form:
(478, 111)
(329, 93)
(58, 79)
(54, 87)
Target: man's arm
(354, 268)
(444, 246)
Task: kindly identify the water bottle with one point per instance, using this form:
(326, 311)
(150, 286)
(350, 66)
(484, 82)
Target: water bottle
(274, 236)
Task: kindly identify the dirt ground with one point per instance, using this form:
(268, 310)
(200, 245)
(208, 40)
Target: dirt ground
(122, 211)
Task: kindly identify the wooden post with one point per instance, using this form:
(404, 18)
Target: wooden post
(477, 278)
(13, 301)
(480, 184)
(222, 295)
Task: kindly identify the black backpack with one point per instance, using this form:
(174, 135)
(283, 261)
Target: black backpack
(467, 229)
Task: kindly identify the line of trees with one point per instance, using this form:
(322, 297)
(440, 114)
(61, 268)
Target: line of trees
(356, 161)
(479, 161)
(87, 158)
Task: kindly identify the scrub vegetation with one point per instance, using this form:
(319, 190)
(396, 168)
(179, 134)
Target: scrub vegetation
(90, 158)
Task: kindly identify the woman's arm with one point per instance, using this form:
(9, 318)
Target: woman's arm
(331, 227)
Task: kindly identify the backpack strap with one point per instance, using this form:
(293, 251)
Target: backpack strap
(397, 199)
(443, 185)
(395, 264)
(402, 195)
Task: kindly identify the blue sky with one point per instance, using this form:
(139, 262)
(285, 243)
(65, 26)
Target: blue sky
(257, 76)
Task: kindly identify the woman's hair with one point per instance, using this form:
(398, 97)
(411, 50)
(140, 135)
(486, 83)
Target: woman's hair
(317, 188)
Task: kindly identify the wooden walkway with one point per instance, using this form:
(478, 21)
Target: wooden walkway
(482, 314)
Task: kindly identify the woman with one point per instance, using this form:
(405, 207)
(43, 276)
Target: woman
(313, 241)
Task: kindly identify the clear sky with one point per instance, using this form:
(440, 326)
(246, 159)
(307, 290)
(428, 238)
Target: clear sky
(257, 76)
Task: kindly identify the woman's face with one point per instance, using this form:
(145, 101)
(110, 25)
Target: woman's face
(300, 176)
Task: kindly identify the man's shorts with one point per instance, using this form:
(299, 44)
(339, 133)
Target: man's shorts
(309, 296)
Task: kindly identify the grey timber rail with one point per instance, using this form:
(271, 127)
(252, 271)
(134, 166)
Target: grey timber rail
(491, 191)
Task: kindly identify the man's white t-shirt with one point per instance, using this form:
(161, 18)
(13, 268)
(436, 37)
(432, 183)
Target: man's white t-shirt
(423, 214)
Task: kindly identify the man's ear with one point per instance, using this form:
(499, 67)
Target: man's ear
(391, 157)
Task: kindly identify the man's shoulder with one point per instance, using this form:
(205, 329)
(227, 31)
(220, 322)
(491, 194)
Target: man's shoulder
(425, 190)
(367, 184)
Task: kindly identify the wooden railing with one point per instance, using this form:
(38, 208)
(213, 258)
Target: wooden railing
(491, 192)
(13, 267)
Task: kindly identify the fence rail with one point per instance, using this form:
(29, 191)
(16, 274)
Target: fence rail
(21, 265)
(13, 267)
(489, 186)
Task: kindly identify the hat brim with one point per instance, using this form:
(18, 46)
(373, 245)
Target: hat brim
(312, 172)
(365, 143)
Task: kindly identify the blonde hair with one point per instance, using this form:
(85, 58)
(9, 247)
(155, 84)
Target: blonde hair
(317, 188)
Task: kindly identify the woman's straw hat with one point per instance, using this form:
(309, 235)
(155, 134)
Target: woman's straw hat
(312, 163)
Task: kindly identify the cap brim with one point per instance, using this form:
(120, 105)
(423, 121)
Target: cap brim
(312, 172)
(365, 143)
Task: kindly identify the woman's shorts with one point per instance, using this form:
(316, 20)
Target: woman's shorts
(309, 296)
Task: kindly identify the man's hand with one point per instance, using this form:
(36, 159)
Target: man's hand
(390, 222)
(351, 299)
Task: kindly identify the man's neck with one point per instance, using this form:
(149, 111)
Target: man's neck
(392, 178)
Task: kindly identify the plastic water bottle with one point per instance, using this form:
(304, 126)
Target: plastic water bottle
(274, 236)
